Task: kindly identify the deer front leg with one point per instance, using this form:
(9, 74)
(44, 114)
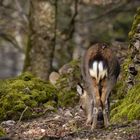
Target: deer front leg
(86, 103)
(89, 112)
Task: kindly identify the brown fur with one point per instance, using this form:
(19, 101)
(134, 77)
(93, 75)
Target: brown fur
(99, 96)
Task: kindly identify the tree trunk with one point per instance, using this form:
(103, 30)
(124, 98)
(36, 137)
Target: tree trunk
(39, 53)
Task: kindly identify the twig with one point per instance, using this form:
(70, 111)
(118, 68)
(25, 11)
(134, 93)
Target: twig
(21, 116)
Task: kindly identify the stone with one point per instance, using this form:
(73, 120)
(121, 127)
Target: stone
(68, 114)
(8, 123)
(53, 77)
(65, 69)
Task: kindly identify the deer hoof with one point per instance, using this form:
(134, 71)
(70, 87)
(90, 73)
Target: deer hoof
(106, 124)
(106, 119)
(89, 121)
(94, 125)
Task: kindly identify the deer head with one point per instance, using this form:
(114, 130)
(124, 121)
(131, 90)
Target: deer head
(100, 69)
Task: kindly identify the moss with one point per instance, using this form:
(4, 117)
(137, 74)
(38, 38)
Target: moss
(32, 97)
(67, 98)
(128, 108)
(120, 90)
(24, 91)
(76, 66)
(134, 25)
(66, 85)
(26, 76)
(50, 105)
(70, 77)
(2, 132)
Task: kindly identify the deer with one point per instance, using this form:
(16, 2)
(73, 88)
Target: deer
(100, 69)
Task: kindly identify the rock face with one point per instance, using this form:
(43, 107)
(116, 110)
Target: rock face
(128, 109)
(134, 36)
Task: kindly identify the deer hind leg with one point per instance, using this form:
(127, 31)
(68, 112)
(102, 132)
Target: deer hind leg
(96, 105)
(107, 86)
(104, 99)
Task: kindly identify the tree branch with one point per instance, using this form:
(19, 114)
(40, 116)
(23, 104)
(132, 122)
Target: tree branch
(111, 11)
(11, 40)
(72, 21)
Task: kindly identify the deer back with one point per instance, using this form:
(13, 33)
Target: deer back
(98, 62)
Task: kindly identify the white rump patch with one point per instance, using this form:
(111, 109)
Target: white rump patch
(100, 66)
(102, 71)
(97, 71)
(93, 71)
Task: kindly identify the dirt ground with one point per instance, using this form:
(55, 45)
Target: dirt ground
(68, 124)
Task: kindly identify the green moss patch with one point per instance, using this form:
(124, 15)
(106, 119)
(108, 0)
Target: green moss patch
(120, 90)
(135, 23)
(127, 109)
(67, 83)
(70, 76)
(2, 132)
(25, 93)
(27, 96)
(67, 98)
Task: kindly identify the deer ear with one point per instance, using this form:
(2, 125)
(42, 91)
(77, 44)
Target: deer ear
(79, 89)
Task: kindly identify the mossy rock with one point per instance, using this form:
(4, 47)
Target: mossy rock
(127, 109)
(66, 84)
(25, 92)
(70, 75)
(29, 97)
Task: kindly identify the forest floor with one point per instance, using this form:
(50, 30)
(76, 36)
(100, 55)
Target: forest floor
(68, 124)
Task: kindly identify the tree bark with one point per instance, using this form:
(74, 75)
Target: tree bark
(39, 53)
